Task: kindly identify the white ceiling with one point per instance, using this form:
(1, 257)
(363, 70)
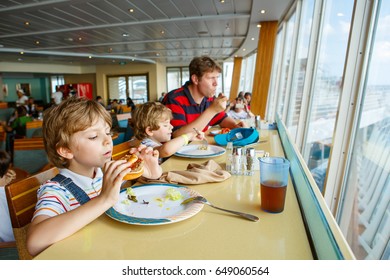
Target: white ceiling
(171, 32)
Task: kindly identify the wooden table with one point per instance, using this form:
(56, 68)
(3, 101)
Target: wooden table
(211, 234)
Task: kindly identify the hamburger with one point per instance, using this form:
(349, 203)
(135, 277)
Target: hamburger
(136, 165)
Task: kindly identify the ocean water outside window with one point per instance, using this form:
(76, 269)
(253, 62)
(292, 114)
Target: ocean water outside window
(327, 86)
(365, 207)
(298, 79)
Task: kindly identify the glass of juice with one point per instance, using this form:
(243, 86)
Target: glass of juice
(273, 183)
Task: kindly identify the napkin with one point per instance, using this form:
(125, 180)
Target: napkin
(207, 172)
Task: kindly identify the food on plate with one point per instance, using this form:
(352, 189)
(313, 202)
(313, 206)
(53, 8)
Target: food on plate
(173, 194)
(137, 167)
(203, 147)
(131, 195)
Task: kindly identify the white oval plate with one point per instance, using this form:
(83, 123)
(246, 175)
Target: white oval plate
(193, 151)
(153, 208)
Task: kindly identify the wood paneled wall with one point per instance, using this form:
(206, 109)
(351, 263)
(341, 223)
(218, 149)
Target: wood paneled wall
(261, 80)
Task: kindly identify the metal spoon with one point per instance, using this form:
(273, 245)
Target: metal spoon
(201, 199)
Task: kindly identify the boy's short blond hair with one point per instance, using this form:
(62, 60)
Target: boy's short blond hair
(62, 121)
(149, 114)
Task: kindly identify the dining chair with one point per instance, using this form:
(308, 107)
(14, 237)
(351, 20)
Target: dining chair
(34, 129)
(29, 154)
(122, 149)
(21, 199)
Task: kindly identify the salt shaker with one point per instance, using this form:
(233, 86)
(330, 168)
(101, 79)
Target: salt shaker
(236, 164)
(249, 161)
(229, 156)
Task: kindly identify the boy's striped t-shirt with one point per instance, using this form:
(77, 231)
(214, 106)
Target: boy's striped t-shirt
(54, 199)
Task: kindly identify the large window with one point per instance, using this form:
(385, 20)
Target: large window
(365, 208)
(133, 86)
(337, 110)
(300, 67)
(328, 80)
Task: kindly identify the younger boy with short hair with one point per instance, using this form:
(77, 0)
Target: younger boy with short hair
(77, 138)
(152, 126)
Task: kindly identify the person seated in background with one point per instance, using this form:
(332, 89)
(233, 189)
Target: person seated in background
(248, 98)
(6, 176)
(113, 106)
(31, 108)
(77, 136)
(99, 100)
(194, 105)
(162, 97)
(238, 109)
(130, 103)
(153, 128)
(18, 125)
(22, 98)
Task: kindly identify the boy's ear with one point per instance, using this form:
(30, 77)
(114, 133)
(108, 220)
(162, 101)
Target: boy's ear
(149, 131)
(65, 152)
(194, 79)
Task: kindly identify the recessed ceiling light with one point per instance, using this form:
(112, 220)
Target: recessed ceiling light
(21, 52)
(125, 34)
(37, 42)
(162, 31)
(262, 12)
(20, 59)
(157, 54)
(69, 39)
(26, 23)
(222, 1)
(252, 39)
(258, 25)
(89, 57)
(80, 38)
(131, 10)
(243, 50)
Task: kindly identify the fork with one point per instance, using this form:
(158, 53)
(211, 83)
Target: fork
(205, 144)
(201, 199)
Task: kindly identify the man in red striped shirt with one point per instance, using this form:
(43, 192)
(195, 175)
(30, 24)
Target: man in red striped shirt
(194, 105)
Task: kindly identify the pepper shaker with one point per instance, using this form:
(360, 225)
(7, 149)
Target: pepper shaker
(250, 161)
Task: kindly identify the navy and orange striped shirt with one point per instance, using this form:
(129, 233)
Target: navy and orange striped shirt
(185, 110)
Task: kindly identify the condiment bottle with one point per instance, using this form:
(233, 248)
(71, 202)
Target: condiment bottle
(237, 161)
(250, 156)
(229, 156)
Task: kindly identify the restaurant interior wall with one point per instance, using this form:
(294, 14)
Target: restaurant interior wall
(39, 87)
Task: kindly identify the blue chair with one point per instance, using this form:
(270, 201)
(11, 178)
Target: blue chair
(29, 154)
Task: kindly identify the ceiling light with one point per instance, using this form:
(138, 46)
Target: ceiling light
(222, 1)
(20, 59)
(258, 25)
(157, 54)
(243, 50)
(80, 38)
(162, 31)
(89, 57)
(125, 35)
(26, 23)
(37, 42)
(262, 12)
(252, 39)
(21, 52)
(131, 10)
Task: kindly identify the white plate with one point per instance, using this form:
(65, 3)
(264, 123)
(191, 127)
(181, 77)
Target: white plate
(159, 209)
(215, 132)
(193, 151)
